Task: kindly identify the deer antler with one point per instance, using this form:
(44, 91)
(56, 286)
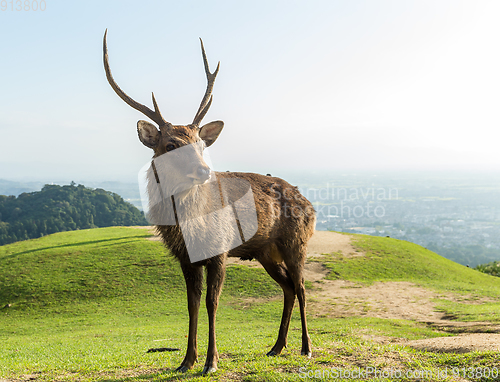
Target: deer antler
(207, 98)
(153, 115)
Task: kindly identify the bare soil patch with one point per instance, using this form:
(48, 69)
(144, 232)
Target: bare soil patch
(463, 343)
(331, 242)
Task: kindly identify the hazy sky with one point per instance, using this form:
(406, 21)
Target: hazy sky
(303, 84)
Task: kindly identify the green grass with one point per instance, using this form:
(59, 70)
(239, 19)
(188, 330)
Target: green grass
(85, 265)
(243, 281)
(475, 311)
(86, 306)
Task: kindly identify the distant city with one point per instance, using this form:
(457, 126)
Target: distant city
(454, 214)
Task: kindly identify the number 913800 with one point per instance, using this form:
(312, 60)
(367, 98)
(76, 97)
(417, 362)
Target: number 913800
(23, 5)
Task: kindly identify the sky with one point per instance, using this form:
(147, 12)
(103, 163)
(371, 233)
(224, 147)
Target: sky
(303, 85)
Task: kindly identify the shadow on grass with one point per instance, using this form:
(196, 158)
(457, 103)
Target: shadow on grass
(118, 240)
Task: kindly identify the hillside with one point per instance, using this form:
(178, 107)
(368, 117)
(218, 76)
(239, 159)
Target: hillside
(86, 305)
(62, 208)
(100, 264)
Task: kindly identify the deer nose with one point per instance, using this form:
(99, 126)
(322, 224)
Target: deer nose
(203, 173)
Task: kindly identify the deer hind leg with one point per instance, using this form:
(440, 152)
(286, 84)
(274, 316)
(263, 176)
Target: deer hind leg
(216, 272)
(193, 275)
(279, 273)
(294, 260)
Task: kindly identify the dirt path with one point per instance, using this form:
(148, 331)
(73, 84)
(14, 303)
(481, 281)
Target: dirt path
(392, 300)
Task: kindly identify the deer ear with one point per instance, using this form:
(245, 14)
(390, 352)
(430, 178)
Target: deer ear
(148, 134)
(211, 131)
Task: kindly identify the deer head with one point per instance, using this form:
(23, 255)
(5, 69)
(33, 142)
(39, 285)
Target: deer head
(166, 137)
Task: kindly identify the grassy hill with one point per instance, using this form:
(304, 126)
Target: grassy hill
(86, 305)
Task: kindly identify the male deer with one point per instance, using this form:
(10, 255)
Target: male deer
(285, 220)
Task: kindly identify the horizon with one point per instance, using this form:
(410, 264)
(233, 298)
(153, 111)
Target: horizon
(303, 179)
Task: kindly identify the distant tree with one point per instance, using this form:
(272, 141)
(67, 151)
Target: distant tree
(63, 208)
(492, 268)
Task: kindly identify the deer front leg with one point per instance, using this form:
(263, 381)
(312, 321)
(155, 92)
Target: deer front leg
(194, 282)
(216, 271)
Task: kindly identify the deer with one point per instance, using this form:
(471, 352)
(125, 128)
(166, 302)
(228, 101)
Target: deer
(285, 219)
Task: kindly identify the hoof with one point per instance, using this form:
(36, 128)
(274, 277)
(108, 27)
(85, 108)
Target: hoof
(272, 353)
(182, 369)
(307, 354)
(208, 369)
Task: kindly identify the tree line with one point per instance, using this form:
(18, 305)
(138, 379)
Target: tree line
(63, 208)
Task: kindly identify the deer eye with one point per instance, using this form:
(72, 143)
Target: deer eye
(170, 147)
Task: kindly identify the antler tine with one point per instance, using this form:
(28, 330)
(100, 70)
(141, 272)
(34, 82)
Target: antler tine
(207, 98)
(157, 110)
(153, 115)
